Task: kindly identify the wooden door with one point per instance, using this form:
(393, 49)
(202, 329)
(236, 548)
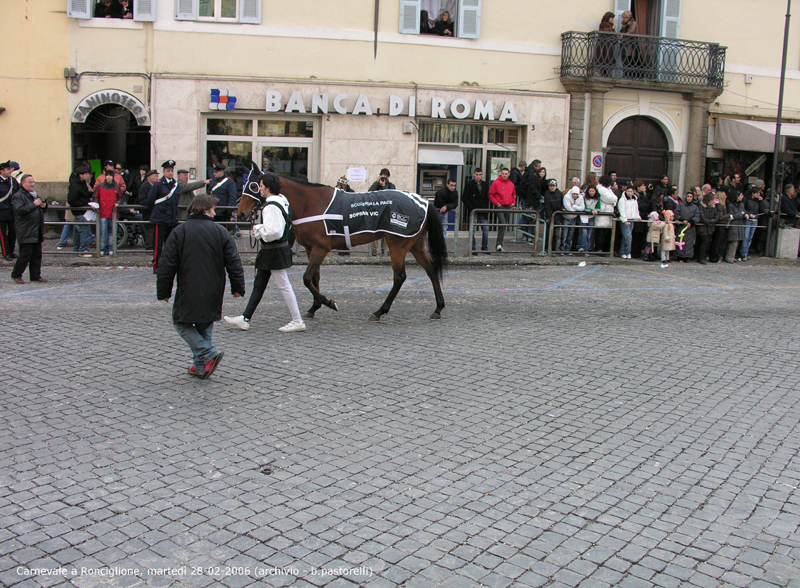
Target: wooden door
(638, 149)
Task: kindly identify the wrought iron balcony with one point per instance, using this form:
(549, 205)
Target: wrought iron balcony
(641, 60)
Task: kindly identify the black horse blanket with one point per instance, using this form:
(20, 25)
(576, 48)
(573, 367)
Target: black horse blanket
(390, 211)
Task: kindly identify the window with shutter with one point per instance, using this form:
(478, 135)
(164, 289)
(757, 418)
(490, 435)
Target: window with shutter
(469, 19)
(250, 11)
(409, 17)
(671, 19)
(144, 10)
(186, 9)
(79, 8)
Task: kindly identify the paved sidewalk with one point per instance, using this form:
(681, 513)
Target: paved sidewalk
(560, 426)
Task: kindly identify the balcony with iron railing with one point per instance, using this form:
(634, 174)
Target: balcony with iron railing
(639, 61)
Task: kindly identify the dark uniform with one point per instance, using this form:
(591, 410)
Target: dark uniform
(7, 233)
(162, 200)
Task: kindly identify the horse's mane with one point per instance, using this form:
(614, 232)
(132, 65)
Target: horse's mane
(304, 182)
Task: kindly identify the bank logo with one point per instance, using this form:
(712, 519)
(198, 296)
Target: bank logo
(401, 220)
(222, 100)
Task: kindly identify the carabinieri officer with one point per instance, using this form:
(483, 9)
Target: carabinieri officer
(162, 200)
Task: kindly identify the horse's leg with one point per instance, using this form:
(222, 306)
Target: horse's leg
(398, 257)
(424, 260)
(311, 281)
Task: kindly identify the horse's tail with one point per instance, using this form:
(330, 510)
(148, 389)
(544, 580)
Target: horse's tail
(437, 246)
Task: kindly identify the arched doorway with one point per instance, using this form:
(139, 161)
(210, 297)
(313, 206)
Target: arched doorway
(638, 149)
(110, 131)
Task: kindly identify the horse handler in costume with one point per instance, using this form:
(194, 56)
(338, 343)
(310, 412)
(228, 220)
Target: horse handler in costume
(199, 252)
(275, 257)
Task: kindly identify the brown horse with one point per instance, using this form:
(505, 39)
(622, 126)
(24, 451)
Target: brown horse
(310, 200)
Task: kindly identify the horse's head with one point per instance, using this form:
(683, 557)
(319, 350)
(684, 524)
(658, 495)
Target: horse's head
(250, 203)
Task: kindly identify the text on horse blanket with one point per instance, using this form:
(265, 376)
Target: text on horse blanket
(390, 211)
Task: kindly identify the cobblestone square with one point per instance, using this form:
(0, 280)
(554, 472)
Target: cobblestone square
(607, 425)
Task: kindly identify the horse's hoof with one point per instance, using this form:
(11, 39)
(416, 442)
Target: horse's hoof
(436, 316)
(334, 306)
(374, 318)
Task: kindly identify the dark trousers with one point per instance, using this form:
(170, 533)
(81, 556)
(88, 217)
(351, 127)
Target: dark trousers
(162, 232)
(259, 287)
(29, 253)
(703, 241)
(8, 237)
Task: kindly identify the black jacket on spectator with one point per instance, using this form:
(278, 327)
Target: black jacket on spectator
(445, 197)
(516, 178)
(28, 218)
(144, 191)
(7, 188)
(376, 185)
(530, 189)
(440, 27)
(788, 209)
(476, 196)
(78, 195)
(708, 220)
(751, 206)
(553, 201)
(736, 228)
(199, 252)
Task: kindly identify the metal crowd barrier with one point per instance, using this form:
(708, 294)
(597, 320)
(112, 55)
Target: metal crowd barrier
(119, 228)
(553, 225)
(515, 216)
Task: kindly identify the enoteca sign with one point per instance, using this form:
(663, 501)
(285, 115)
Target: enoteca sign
(361, 104)
(92, 101)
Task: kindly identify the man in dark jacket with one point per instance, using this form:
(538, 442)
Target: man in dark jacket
(150, 178)
(79, 196)
(29, 225)
(476, 196)
(530, 187)
(8, 186)
(199, 252)
(788, 205)
(382, 183)
(223, 189)
(163, 203)
(553, 202)
(516, 175)
(446, 199)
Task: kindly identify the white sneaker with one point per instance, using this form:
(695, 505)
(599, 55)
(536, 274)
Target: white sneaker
(238, 321)
(293, 327)
(499, 248)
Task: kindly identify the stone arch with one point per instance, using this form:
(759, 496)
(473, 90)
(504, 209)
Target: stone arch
(658, 115)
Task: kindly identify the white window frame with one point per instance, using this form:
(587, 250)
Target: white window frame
(218, 13)
(247, 11)
(463, 6)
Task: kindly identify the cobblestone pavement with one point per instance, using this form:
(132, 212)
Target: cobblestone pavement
(560, 426)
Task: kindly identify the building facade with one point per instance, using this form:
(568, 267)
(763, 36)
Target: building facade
(320, 88)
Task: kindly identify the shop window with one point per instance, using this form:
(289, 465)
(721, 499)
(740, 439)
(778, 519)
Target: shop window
(284, 128)
(465, 16)
(450, 133)
(138, 10)
(503, 135)
(243, 11)
(229, 126)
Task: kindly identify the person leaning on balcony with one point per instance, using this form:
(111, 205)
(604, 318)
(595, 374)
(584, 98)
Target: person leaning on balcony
(629, 46)
(444, 25)
(604, 53)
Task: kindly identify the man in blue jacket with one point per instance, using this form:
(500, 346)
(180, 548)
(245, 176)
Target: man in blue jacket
(224, 190)
(162, 200)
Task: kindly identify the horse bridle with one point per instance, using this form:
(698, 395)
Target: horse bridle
(253, 214)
